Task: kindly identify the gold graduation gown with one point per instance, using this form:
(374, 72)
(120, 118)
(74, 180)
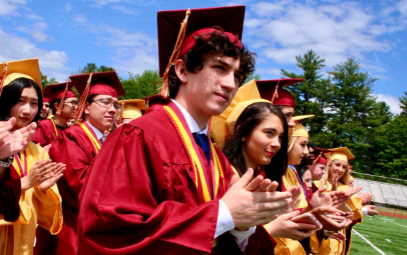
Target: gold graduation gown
(36, 207)
(286, 246)
(331, 246)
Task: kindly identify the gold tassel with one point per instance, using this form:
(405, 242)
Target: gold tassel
(82, 102)
(165, 93)
(3, 77)
(62, 100)
(275, 94)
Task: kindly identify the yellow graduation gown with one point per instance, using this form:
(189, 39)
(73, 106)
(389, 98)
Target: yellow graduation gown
(331, 246)
(286, 246)
(36, 207)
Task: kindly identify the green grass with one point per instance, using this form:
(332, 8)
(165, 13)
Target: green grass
(386, 233)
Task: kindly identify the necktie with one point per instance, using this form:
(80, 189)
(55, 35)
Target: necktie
(103, 139)
(202, 141)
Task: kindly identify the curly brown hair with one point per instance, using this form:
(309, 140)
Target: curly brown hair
(218, 43)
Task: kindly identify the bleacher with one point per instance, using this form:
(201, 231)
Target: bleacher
(384, 193)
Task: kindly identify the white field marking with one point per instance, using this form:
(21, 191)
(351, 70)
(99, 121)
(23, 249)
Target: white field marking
(367, 241)
(388, 240)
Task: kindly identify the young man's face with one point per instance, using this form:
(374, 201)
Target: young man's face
(44, 110)
(288, 113)
(101, 112)
(209, 91)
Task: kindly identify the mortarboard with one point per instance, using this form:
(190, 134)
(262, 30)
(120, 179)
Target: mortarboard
(59, 91)
(299, 130)
(103, 83)
(321, 159)
(272, 90)
(223, 125)
(178, 29)
(26, 68)
(131, 108)
(342, 153)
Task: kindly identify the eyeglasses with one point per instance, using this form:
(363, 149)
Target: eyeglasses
(73, 103)
(107, 103)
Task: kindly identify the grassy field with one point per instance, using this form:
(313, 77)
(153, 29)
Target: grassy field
(387, 234)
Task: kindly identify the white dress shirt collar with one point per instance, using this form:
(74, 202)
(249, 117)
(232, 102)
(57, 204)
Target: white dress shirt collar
(193, 126)
(96, 131)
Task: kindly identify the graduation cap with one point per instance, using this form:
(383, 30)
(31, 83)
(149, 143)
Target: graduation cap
(342, 153)
(26, 68)
(299, 130)
(178, 29)
(103, 83)
(321, 159)
(131, 109)
(59, 91)
(272, 90)
(223, 125)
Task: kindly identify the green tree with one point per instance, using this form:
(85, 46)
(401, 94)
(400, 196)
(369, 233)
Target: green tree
(255, 76)
(45, 81)
(392, 157)
(355, 113)
(139, 86)
(403, 103)
(311, 96)
(93, 68)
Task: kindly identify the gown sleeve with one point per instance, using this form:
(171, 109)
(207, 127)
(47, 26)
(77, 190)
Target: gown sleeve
(130, 206)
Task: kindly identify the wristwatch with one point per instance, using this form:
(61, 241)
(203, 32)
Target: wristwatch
(8, 163)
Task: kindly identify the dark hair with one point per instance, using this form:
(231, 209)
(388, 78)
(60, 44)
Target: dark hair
(218, 43)
(52, 105)
(250, 118)
(11, 95)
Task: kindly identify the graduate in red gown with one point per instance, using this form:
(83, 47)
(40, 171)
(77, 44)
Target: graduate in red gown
(79, 145)
(44, 113)
(63, 104)
(159, 186)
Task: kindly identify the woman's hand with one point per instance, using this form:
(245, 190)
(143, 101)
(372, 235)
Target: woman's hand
(12, 142)
(283, 227)
(39, 172)
(56, 174)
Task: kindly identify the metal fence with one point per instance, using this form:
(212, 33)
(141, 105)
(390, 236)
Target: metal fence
(383, 192)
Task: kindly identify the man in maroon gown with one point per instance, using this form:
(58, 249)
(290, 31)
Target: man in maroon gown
(78, 145)
(159, 186)
(63, 105)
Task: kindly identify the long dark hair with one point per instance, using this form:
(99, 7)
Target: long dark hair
(11, 95)
(250, 118)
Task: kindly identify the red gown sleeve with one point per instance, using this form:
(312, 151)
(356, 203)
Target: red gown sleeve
(10, 192)
(40, 136)
(77, 153)
(134, 203)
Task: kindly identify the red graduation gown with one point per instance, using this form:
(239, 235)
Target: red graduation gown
(141, 196)
(10, 192)
(73, 148)
(45, 132)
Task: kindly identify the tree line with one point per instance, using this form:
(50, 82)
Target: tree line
(346, 112)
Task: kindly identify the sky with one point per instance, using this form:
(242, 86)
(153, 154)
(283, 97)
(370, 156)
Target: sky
(65, 35)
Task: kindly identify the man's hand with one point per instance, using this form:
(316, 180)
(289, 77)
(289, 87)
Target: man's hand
(371, 210)
(12, 142)
(252, 208)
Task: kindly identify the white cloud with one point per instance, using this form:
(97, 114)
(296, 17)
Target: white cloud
(283, 29)
(52, 63)
(9, 7)
(68, 7)
(391, 101)
(80, 18)
(125, 10)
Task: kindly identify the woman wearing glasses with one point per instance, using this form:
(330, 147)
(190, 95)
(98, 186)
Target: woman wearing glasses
(78, 145)
(63, 105)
